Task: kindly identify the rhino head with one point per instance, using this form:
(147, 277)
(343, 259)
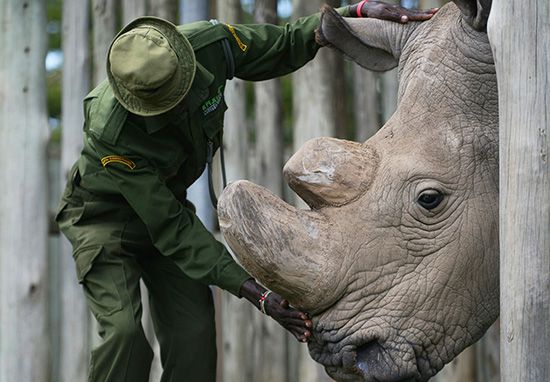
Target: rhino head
(397, 258)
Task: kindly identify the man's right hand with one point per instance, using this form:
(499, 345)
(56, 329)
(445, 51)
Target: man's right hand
(296, 322)
(391, 12)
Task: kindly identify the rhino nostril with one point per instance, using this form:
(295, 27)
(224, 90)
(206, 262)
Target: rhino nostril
(377, 362)
(368, 357)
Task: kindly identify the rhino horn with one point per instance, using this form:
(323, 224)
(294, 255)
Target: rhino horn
(331, 172)
(286, 249)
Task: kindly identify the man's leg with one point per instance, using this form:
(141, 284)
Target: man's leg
(183, 316)
(112, 291)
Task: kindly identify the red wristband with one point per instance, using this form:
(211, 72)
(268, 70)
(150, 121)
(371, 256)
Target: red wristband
(359, 7)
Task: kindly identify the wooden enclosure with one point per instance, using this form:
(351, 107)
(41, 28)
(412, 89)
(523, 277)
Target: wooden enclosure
(46, 331)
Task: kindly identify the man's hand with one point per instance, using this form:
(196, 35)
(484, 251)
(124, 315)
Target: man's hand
(384, 11)
(296, 322)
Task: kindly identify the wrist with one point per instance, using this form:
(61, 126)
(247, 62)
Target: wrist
(360, 10)
(251, 290)
(255, 293)
(262, 300)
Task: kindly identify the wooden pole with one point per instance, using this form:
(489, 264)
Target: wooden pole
(366, 103)
(520, 36)
(237, 315)
(166, 9)
(104, 29)
(74, 320)
(194, 10)
(268, 116)
(236, 130)
(23, 204)
(267, 113)
(132, 9)
(313, 87)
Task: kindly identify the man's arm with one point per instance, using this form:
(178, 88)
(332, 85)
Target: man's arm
(174, 229)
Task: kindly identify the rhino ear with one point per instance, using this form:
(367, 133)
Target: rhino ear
(363, 43)
(475, 12)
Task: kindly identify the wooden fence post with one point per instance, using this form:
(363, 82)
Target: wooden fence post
(237, 315)
(132, 9)
(74, 318)
(23, 203)
(520, 37)
(104, 29)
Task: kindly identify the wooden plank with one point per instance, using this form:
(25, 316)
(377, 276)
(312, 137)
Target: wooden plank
(366, 103)
(520, 36)
(132, 9)
(237, 316)
(74, 316)
(268, 117)
(166, 9)
(24, 134)
(104, 29)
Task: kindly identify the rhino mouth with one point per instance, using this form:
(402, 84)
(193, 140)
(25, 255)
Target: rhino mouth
(366, 360)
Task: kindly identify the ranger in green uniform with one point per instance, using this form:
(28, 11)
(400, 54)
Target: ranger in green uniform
(147, 133)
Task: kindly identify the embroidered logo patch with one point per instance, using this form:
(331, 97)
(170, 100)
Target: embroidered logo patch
(241, 44)
(118, 159)
(212, 104)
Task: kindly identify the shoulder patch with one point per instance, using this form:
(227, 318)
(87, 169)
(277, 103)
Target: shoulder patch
(241, 44)
(118, 159)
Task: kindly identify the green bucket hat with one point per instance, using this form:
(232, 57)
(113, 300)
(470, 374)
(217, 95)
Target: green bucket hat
(150, 66)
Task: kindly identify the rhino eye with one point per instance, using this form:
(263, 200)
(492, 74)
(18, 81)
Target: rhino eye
(430, 199)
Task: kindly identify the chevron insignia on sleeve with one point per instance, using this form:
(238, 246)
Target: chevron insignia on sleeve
(241, 44)
(118, 159)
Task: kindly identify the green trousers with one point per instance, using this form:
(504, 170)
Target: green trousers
(112, 254)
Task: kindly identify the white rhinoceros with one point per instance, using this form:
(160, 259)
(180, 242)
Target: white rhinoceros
(397, 260)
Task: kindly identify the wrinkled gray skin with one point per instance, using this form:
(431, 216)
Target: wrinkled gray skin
(395, 289)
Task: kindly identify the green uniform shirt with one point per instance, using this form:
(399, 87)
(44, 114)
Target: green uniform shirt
(150, 161)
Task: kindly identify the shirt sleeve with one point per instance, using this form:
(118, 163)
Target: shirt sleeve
(265, 51)
(174, 229)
